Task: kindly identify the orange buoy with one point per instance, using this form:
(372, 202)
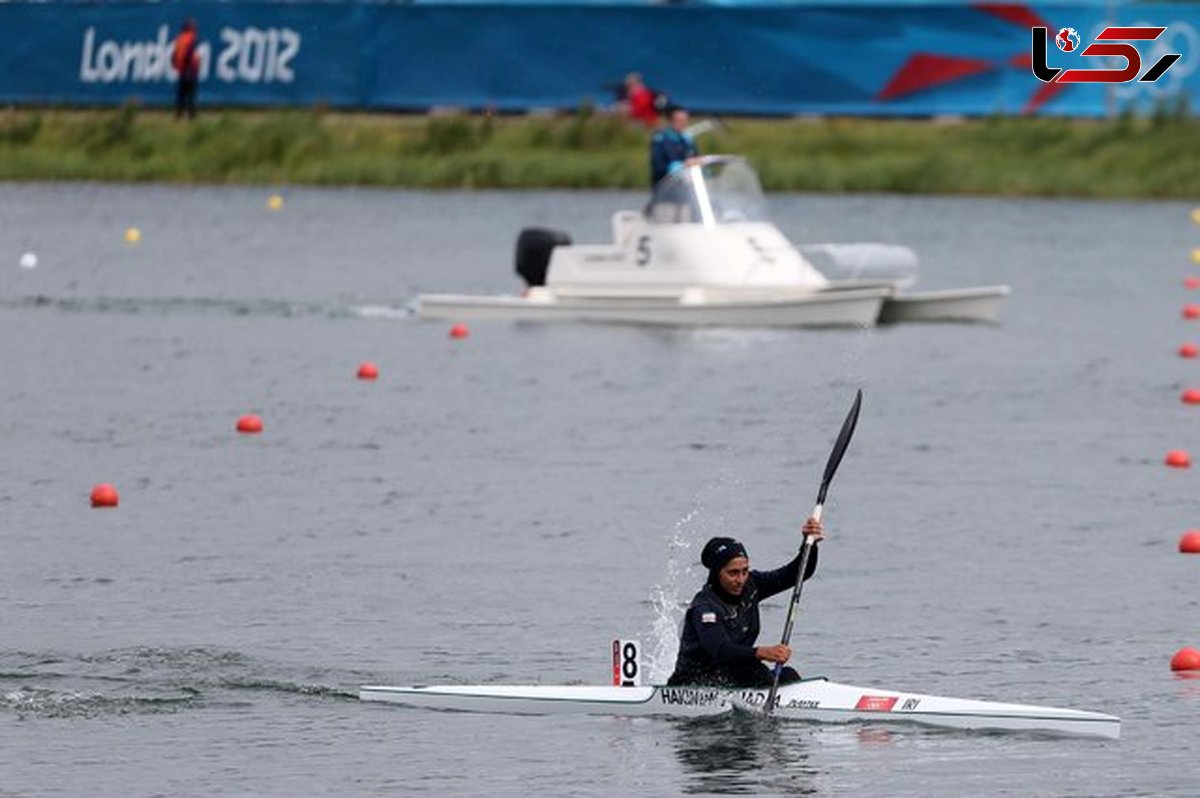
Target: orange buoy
(1191, 396)
(1189, 350)
(1191, 282)
(1178, 458)
(105, 496)
(1186, 659)
(368, 371)
(462, 331)
(250, 424)
(1191, 311)
(1189, 543)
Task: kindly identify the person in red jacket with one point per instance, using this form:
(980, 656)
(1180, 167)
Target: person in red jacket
(186, 61)
(640, 100)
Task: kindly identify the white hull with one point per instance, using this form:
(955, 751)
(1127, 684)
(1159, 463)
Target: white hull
(962, 304)
(851, 308)
(977, 304)
(810, 700)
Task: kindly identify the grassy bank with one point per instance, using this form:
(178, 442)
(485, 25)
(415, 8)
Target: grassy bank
(1125, 157)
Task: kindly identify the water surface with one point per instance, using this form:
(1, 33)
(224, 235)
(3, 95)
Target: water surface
(496, 510)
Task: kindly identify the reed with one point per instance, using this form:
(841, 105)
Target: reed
(1126, 157)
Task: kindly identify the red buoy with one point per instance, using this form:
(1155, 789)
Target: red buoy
(1189, 350)
(1191, 396)
(1178, 458)
(1191, 311)
(462, 331)
(1191, 283)
(368, 371)
(250, 424)
(105, 496)
(1190, 542)
(1186, 659)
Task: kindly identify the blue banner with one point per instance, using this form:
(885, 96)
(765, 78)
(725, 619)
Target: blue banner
(884, 60)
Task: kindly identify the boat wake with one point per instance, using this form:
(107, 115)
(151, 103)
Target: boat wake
(49, 703)
(212, 306)
(147, 680)
(384, 312)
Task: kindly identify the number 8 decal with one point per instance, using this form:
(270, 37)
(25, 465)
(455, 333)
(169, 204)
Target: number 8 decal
(627, 669)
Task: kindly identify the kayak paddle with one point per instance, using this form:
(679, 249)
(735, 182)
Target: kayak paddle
(831, 467)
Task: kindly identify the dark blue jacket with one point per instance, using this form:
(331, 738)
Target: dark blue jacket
(668, 150)
(719, 632)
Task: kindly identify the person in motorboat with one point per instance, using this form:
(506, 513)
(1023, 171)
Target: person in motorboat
(672, 147)
(722, 624)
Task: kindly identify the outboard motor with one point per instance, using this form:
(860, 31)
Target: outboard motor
(534, 246)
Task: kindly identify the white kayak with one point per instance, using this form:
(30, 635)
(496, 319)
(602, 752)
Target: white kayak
(817, 700)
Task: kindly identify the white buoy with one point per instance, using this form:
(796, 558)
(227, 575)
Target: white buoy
(29, 261)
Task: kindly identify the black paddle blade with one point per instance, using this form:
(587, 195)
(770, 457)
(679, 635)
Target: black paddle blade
(839, 447)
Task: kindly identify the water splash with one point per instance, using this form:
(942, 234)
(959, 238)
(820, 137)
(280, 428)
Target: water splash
(671, 596)
(665, 598)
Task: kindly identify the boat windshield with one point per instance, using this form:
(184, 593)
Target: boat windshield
(718, 190)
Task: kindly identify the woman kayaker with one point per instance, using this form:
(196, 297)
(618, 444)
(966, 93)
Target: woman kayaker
(721, 625)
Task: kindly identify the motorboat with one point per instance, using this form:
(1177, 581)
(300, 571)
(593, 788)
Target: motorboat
(704, 252)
